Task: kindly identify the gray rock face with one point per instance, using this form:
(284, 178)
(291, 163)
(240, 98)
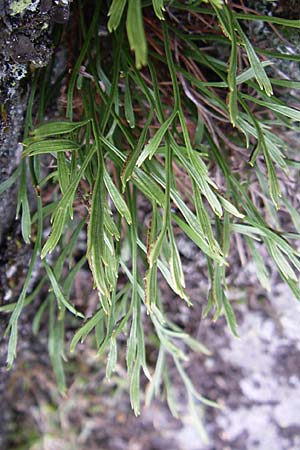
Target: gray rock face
(25, 44)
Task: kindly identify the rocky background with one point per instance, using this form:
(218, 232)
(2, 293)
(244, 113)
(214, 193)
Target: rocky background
(255, 378)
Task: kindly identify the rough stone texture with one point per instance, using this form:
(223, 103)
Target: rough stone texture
(268, 356)
(255, 378)
(24, 45)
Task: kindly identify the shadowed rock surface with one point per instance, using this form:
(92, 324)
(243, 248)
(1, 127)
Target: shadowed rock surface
(25, 44)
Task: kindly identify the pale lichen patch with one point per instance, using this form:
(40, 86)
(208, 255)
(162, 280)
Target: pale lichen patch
(19, 6)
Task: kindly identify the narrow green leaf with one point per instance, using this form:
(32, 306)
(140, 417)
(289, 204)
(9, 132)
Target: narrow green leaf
(57, 229)
(56, 350)
(130, 163)
(50, 129)
(9, 307)
(272, 177)
(62, 301)
(95, 249)
(135, 388)
(136, 33)
(50, 146)
(290, 84)
(63, 172)
(190, 387)
(112, 358)
(262, 271)
(129, 114)
(204, 221)
(110, 225)
(158, 6)
(249, 73)
(176, 269)
(36, 324)
(286, 111)
(132, 344)
(194, 230)
(153, 387)
(26, 220)
(13, 322)
(172, 404)
(10, 181)
(229, 207)
(232, 69)
(155, 141)
(115, 14)
(217, 290)
(64, 206)
(151, 286)
(196, 346)
(196, 420)
(204, 182)
(117, 198)
(148, 186)
(256, 64)
(83, 332)
(281, 261)
(229, 314)
(295, 216)
(23, 202)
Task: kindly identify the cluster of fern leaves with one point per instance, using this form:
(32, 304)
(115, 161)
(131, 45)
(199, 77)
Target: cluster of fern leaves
(198, 96)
